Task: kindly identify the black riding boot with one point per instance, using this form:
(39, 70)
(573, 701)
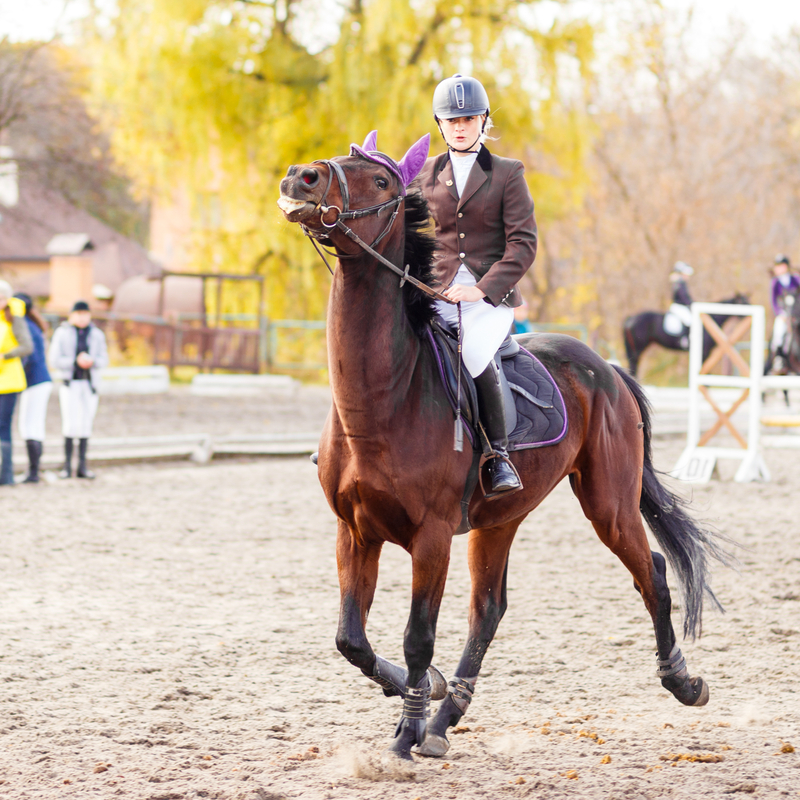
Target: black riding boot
(67, 471)
(83, 470)
(493, 417)
(34, 456)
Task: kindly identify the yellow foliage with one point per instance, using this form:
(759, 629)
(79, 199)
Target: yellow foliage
(217, 100)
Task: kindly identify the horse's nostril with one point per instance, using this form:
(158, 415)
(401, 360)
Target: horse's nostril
(310, 177)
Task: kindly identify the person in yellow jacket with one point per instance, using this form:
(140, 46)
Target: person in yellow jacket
(15, 344)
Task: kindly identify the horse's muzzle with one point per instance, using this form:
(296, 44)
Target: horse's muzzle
(299, 193)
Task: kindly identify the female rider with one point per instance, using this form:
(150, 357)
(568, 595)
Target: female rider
(486, 231)
(15, 344)
(783, 290)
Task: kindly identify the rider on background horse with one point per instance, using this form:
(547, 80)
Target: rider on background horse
(486, 231)
(785, 285)
(679, 317)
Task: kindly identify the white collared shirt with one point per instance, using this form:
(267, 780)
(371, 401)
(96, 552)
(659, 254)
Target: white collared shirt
(462, 165)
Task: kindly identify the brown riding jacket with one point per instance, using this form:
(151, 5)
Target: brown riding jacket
(490, 228)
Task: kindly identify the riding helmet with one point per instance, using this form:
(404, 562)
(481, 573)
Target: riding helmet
(782, 259)
(682, 268)
(460, 96)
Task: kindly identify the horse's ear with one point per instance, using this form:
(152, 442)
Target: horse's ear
(412, 162)
(371, 142)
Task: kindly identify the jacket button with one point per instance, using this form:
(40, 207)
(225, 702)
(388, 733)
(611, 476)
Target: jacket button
(461, 235)
(462, 255)
(460, 214)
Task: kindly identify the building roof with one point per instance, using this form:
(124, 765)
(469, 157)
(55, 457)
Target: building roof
(69, 244)
(40, 219)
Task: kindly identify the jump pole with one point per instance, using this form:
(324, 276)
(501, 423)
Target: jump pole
(698, 460)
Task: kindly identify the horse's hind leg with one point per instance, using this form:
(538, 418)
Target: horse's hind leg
(488, 565)
(617, 520)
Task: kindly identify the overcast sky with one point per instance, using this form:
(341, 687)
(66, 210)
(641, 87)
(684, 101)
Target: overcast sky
(40, 19)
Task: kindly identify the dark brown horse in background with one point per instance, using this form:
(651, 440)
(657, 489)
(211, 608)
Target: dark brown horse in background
(639, 331)
(390, 473)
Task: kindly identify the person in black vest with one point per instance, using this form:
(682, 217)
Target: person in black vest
(78, 351)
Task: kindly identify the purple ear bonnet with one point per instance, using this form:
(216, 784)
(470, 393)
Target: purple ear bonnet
(409, 165)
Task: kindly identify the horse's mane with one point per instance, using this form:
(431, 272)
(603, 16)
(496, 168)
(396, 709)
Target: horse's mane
(419, 250)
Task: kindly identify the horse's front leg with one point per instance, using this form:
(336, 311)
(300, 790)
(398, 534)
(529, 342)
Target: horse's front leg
(488, 566)
(357, 563)
(430, 559)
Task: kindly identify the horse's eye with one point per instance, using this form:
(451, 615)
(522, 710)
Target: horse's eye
(382, 183)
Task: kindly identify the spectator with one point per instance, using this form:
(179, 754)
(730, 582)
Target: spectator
(78, 352)
(15, 344)
(33, 402)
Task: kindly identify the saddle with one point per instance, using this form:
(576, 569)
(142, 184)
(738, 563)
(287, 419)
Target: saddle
(536, 415)
(535, 412)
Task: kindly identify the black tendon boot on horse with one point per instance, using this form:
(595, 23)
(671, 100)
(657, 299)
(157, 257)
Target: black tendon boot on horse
(493, 418)
(34, 456)
(83, 470)
(67, 471)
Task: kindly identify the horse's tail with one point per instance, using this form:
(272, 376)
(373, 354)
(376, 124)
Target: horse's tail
(686, 545)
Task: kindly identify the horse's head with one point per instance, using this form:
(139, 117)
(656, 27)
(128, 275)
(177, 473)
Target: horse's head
(740, 299)
(792, 303)
(367, 186)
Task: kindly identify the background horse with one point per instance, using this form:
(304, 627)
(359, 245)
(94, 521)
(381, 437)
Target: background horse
(390, 473)
(641, 330)
(793, 347)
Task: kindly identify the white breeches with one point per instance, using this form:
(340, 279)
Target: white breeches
(779, 330)
(484, 326)
(33, 411)
(78, 407)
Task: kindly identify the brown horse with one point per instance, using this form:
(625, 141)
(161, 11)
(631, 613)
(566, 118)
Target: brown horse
(390, 472)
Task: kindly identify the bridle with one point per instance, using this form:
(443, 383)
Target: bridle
(346, 213)
(358, 213)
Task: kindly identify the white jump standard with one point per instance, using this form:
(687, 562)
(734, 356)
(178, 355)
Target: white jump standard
(698, 460)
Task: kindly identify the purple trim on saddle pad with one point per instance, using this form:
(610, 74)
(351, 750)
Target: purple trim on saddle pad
(560, 436)
(453, 403)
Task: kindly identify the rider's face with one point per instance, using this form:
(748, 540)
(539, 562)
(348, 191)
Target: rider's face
(779, 269)
(462, 132)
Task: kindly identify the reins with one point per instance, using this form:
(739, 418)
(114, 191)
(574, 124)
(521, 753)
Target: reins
(346, 213)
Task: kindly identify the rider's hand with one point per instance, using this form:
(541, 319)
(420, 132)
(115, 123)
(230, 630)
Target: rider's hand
(464, 294)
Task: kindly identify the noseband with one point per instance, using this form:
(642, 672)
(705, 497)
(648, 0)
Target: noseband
(346, 213)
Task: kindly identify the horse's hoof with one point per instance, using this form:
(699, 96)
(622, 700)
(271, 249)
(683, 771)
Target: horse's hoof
(399, 749)
(438, 684)
(701, 687)
(691, 691)
(433, 746)
(403, 755)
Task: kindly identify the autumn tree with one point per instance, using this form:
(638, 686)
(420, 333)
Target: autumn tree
(53, 139)
(212, 102)
(693, 159)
